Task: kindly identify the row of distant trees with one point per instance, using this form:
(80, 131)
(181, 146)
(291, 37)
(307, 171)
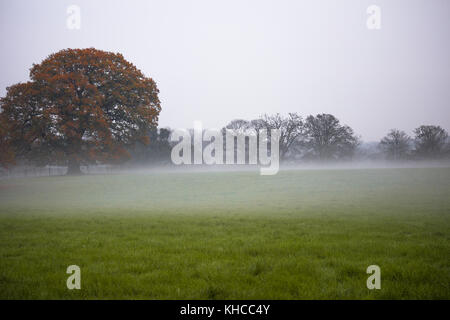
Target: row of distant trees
(320, 138)
(429, 142)
(86, 107)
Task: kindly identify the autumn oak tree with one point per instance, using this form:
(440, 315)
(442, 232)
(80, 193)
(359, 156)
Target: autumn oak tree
(81, 106)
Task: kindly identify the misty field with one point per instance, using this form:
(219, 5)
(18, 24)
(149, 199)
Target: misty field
(301, 234)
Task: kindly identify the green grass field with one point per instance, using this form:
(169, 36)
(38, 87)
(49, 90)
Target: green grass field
(305, 234)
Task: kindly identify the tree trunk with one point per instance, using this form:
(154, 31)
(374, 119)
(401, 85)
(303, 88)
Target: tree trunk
(73, 168)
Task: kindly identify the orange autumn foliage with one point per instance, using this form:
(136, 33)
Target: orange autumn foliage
(81, 105)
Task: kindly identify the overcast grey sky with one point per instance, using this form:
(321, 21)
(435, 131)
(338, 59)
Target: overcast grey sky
(215, 61)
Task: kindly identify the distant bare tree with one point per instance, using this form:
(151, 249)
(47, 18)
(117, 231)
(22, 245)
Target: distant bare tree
(430, 141)
(238, 126)
(327, 139)
(396, 144)
(258, 124)
(291, 130)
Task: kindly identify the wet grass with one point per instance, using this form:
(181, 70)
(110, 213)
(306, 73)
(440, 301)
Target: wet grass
(296, 235)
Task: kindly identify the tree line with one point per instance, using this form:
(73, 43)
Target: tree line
(315, 138)
(87, 107)
(429, 142)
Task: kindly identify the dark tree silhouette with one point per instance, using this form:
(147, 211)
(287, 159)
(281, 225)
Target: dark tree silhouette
(6, 152)
(157, 151)
(396, 145)
(430, 141)
(291, 129)
(327, 139)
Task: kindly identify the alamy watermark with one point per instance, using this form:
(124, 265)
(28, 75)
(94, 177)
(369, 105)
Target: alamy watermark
(374, 19)
(374, 280)
(74, 280)
(73, 21)
(259, 147)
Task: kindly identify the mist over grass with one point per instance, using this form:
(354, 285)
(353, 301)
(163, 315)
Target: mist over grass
(220, 188)
(231, 235)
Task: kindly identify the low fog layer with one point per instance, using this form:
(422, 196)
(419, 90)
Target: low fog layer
(215, 190)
